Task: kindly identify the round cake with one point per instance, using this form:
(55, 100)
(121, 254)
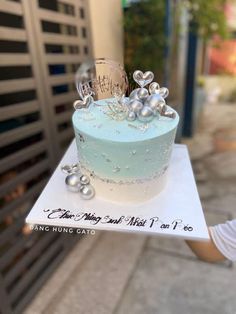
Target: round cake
(126, 160)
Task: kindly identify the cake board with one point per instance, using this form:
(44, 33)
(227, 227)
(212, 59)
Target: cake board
(175, 212)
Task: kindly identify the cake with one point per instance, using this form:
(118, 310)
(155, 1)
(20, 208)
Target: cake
(125, 143)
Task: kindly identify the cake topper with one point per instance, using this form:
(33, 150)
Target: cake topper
(99, 79)
(142, 104)
(103, 78)
(143, 79)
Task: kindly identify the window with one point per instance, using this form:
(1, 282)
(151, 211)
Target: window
(84, 32)
(85, 50)
(13, 46)
(11, 20)
(81, 13)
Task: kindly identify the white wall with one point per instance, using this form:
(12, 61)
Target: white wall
(107, 29)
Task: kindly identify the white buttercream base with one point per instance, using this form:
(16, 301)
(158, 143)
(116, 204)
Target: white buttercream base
(135, 192)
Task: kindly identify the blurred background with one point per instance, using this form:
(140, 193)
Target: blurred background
(191, 48)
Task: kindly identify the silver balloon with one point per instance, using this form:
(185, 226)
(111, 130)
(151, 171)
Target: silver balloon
(146, 114)
(135, 105)
(79, 104)
(68, 169)
(164, 92)
(142, 94)
(154, 101)
(87, 192)
(143, 79)
(73, 182)
(131, 116)
(84, 179)
(134, 94)
(154, 88)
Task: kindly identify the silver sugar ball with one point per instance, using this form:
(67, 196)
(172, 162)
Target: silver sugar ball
(84, 179)
(134, 94)
(135, 105)
(66, 169)
(87, 192)
(72, 182)
(131, 116)
(153, 101)
(146, 114)
(142, 94)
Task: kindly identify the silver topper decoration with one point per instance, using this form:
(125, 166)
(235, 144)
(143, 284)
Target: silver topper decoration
(143, 79)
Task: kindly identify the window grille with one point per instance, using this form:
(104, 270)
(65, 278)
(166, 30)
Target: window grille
(41, 46)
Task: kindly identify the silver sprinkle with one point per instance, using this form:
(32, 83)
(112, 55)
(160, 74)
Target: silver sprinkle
(116, 169)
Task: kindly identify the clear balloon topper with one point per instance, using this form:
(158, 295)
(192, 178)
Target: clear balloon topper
(104, 78)
(100, 78)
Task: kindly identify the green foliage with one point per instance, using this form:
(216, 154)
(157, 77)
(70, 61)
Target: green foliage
(144, 35)
(144, 29)
(207, 17)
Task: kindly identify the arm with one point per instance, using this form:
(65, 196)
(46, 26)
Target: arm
(206, 251)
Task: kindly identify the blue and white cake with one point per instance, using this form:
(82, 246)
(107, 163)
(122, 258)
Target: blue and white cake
(125, 143)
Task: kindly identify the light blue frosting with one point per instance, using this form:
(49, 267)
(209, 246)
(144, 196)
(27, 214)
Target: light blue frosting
(122, 150)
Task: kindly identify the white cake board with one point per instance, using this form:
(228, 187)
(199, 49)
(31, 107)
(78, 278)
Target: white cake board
(176, 211)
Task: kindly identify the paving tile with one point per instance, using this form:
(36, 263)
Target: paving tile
(214, 217)
(200, 171)
(223, 164)
(97, 284)
(217, 117)
(168, 285)
(222, 204)
(171, 246)
(205, 190)
(62, 274)
(199, 146)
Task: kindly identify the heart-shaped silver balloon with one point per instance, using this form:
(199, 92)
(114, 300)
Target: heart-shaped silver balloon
(79, 104)
(164, 92)
(162, 108)
(154, 88)
(169, 114)
(143, 79)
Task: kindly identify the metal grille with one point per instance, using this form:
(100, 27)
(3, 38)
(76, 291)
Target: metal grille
(41, 45)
